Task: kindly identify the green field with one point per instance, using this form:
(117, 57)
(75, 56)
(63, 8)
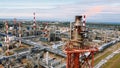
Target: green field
(106, 53)
(101, 57)
(113, 62)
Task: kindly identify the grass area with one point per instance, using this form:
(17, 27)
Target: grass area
(113, 62)
(101, 57)
(106, 52)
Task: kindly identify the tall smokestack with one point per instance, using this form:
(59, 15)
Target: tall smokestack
(84, 23)
(15, 26)
(84, 20)
(19, 33)
(76, 33)
(34, 21)
(78, 20)
(14, 21)
(7, 38)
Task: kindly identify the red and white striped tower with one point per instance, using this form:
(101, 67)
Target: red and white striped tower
(34, 21)
(14, 21)
(84, 22)
(20, 34)
(7, 38)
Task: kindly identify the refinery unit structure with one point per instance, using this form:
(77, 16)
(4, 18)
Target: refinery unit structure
(77, 47)
(75, 52)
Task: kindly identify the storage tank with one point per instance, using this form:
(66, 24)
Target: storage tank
(11, 38)
(11, 28)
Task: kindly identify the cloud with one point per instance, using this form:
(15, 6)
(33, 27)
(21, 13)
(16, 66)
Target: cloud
(94, 10)
(63, 10)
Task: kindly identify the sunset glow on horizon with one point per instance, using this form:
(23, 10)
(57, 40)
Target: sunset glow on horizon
(95, 10)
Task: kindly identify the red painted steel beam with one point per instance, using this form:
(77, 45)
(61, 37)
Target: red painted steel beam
(76, 60)
(79, 51)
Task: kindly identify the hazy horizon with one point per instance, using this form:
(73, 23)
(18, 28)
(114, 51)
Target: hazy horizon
(43, 20)
(63, 10)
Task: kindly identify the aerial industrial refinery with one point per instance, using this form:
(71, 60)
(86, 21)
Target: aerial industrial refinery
(55, 44)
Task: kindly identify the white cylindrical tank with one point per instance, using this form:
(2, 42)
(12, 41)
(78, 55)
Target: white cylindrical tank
(10, 28)
(11, 38)
(47, 54)
(5, 39)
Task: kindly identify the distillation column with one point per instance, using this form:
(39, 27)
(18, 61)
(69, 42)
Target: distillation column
(77, 47)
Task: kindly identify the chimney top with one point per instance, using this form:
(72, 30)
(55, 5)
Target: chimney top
(78, 20)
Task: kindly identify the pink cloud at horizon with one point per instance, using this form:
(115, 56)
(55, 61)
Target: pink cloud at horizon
(94, 10)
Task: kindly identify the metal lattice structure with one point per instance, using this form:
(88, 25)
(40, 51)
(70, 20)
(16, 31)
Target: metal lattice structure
(78, 53)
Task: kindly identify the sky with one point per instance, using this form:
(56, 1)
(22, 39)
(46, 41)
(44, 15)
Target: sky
(62, 10)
